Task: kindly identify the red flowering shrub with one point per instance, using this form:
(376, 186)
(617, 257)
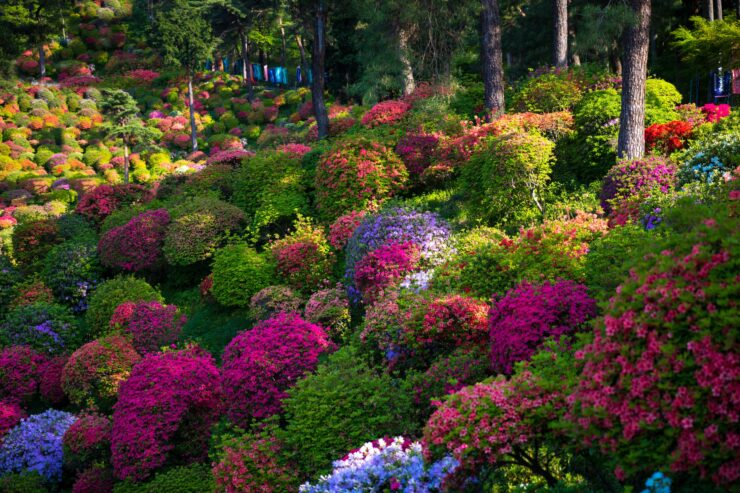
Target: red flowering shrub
(294, 150)
(383, 267)
(355, 174)
(136, 245)
(416, 151)
(87, 441)
(253, 464)
(19, 374)
(303, 258)
(50, 379)
(385, 113)
(659, 385)
(666, 138)
(337, 126)
(10, 415)
(165, 410)
(95, 371)
(630, 182)
(103, 200)
(31, 291)
(149, 324)
(262, 363)
(231, 157)
(33, 240)
(342, 228)
(95, 479)
(527, 315)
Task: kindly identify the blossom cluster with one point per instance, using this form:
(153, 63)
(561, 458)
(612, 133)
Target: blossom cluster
(667, 137)
(150, 324)
(385, 113)
(382, 267)
(136, 245)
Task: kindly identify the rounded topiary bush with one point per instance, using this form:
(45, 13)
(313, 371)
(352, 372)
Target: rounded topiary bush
(87, 441)
(329, 308)
(10, 415)
(239, 272)
(20, 367)
(384, 267)
(110, 294)
(138, 244)
(195, 478)
(32, 240)
(185, 383)
(505, 178)
(527, 315)
(95, 371)
(260, 364)
(303, 258)
(355, 174)
(273, 300)
(50, 380)
(149, 324)
(47, 327)
(547, 93)
(72, 271)
(385, 113)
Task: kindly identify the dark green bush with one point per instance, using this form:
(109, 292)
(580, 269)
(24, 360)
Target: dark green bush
(24, 482)
(72, 270)
(195, 478)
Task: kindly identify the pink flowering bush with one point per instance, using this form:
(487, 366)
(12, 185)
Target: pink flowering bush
(715, 112)
(523, 318)
(303, 257)
(416, 151)
(356, 174)
(385, 113)
(343, 227)
(10, 415)
(87, 441)
(329, 308)
(95, 479)
(165, 411)
(260, 364)
(294, 150)
(19, 374)
(383, 267)
(631, 182)
(272, 300)
(103, 200)
(136, 245)
(50, 379)
(95, 371)
(149, 324)
(659, 382)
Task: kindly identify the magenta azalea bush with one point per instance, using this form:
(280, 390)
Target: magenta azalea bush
(384, 266)
(138, 244)
(19, 374)
(150, 324)
(260, 364)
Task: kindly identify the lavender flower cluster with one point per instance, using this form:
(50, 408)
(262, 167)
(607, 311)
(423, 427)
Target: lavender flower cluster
(35, 444)
(395, 465)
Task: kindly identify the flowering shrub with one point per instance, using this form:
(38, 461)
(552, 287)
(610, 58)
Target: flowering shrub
(164, 409)
(46, 327)
(715, 112)
(260, 364)
(252, 464)
(19, 374)
(527, 315)
(273, 300)
(416, 151)
(382, 267)
(72, 270)
(87, 441)
(30, 291)
(95, 479)
(95, 371)
(303, 258)
(355, 174)
(666, 138)
(382, 465)
(343, 227)
(294, 150)
(631, 182)
(137, 245)
(32, 240)
(50, 379)
(149, 324)
(36, 445)
(10, 415)
(239, 273)
(385, 113)
(712, 160)
(110, 294)
(661, 367)
(105, 199)
(329, 308)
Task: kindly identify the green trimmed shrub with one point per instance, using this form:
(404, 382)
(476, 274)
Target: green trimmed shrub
(546, 94)
(195, 478)
(23, 482)
(238, 273)
(106, 298)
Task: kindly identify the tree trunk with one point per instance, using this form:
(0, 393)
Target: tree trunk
(283, 50)
(718, 10)
(631, 142)
(247, 71)
(407, 71)
(304, 65)
(709, 4)
(493, 69)
(191, 106)
(560, 33)
(125, 162)
(150, 10)
(319, 59)
(42, 61)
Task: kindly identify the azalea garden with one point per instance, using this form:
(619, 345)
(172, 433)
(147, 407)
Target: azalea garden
(324, 246)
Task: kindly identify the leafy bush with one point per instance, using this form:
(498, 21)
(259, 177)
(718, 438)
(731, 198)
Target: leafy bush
(9, 277)
(260, 364)
(137, 245)
(661, 99)
(46, 327)
(185, 383)
(547, 93)
(329, 308)
(344, 404)
(111, 293)
(239, 272)
(505, 177)
(273, 300)
(23, 482)
(72, 270)
(303, 258)
(92, 376)
(149, 324)
(95, 479)
(87, 441)
(33, 240)
(10, 415)
(355, 174)
(195, 478)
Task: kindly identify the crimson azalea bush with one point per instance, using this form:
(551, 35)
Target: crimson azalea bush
(260, 364)
(523, 318)
(19, 374)
(381, 268)
(165, 410)
(417, 151)
(102, 201)
(343, 227)
(10, 415)
(50, 379)
(658, 385)
(666, 138)
(149, 324)
(138, 244)
(385, 113)
(355, 174)
(112, 293)
(273, 300)
(87, 441)
(303, 258)
(95, 371)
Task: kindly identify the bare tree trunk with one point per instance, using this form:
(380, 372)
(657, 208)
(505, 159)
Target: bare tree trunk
(42, 61)
(631, 142)
(319, 60)
(191, 107)
(709, 4)
(302, 51)
(247, 71)
(125, 162)
(406, 70)
(560, 33)
(718, 10)
(493, 69)
(282, 38)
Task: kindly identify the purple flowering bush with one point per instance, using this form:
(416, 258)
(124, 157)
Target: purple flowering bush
(36, 445)
(46, 327)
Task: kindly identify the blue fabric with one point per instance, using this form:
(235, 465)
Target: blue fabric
(271, 75)
(257, 71)
(298, 74)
